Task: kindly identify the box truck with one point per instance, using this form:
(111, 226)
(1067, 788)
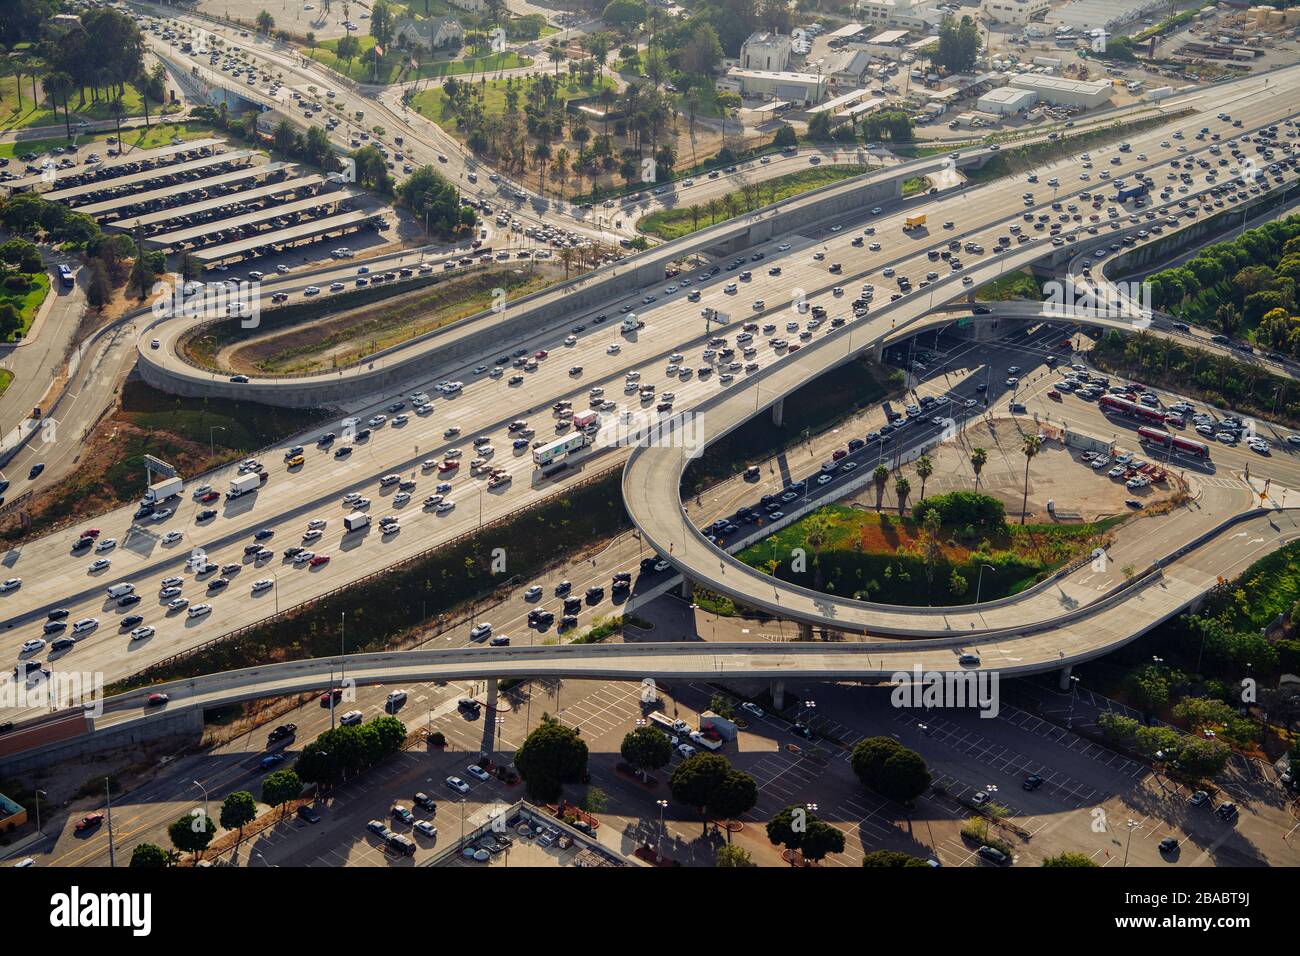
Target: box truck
(356, 521)
(162, 490)
(561, 447)
(244, 484)
(583, 419)
(912, 222)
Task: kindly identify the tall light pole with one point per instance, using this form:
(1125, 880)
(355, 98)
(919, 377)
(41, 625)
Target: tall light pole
(980, 580)
(663, 805)
(108, 796)
(205, 797)
(39, 794)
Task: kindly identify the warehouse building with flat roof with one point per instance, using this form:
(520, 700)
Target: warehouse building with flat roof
(1083, 94)
(1006, 100)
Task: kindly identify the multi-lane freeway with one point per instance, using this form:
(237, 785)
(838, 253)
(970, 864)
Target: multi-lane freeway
(793, 267)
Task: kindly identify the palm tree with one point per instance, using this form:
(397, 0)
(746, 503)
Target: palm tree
(566, 257)
(1031, 446)
(695, 217)
(880, 476)
(901, 488)
(711, 207)
(978, 458)
(555, 55)
(57, 87)
(924, 469)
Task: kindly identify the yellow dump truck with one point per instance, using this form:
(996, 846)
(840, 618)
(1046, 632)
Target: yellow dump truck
(911, 222)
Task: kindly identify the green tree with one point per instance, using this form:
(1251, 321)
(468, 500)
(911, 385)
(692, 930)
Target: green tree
(1029, 446)
(891, 858)
(698, 780)
(978, 459)
(237, 811)
(646, 749)
(148, 856)
(821, 840)
(280, 788)
(1069, 859)
(733, 857)
(788, 827)
(884, 765)
(192, 833)
(880, 476)
(551, 756)
(265, 22)
(785, 137)
(902, 487)
(924, 469)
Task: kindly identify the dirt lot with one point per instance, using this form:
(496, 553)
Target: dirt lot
(1079, 493)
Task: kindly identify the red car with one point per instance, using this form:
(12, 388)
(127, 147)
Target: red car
(331, 696)
(157, 700)
(210, 497)
(90, 533)
(540, 353)
(1054, 395)
(447, 466)
(320, 559)
(89, 821)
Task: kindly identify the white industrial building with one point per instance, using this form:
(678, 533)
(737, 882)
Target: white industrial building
(1017, 12)
(1006, 100)
(804, 89)
(766, 51)
(1107, 14)
(1083, 94)
(900, 13)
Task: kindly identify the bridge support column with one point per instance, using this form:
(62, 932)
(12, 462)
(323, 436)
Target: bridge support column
(688, 589)
(776, 690)
(778, 413)
(1064, 681)
(490, 693)
(878, 352)
(805, 631)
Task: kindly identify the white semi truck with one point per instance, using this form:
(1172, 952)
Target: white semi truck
(243, 484)
(162, 490)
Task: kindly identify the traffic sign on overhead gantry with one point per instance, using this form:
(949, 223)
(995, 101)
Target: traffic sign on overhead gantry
(157, 466)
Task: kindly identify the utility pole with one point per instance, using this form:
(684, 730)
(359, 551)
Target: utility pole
(112, 858)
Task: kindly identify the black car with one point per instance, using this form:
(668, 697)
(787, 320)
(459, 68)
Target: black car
(568, 621)
(294, 551)
(325, 439)
(1168, 845)
(131, 620)
(343, 451)
(207, 514)
(595, 593)
(469, 706)
(263, 534)
(53, 627)
(35, 471)
(126, 600)
(282, 732)
(58, 614)
(307, 813)
(1032, 782)
(799, 730)
(216, 584)
(564, 587)
(64, 644)
(424, 801)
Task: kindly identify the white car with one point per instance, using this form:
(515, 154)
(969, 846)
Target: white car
(171, 537)
(161, 513)
(35, 644)
(262, 584)
(477, 772)
(105, 544)
(784, 247)
(752, 709)
(199, 610)
(10, 584)
(685, 750)
(457, 784)
(479, 631)
(140, 633)
(316, 524)
(99, 565)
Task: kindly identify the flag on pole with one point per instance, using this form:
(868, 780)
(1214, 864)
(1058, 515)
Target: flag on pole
(379, 51)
